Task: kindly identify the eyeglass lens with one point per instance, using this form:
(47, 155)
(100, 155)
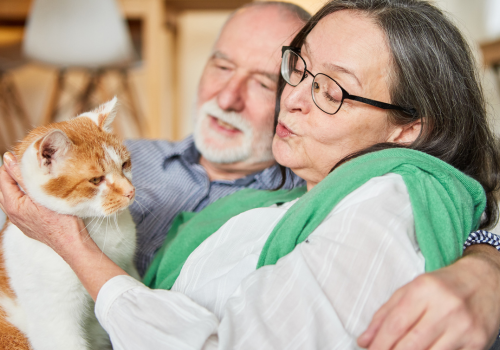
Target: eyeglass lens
(326, 93)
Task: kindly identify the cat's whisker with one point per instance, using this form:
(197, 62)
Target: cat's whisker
(89, 236)
(142, 206)
(98, 223)
(95, 225)
(91, 221)
(116, 223)
(86, 226)
(105, 236)
(148, 198)
(138, 194)
(140, 187)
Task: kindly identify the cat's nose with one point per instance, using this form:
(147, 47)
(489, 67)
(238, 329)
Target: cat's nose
(130, 194)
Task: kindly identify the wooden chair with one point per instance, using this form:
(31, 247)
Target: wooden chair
(14, 121)
(82, 36)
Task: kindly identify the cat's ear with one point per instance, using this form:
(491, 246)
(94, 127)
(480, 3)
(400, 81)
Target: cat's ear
(52, 149)
(104, 115)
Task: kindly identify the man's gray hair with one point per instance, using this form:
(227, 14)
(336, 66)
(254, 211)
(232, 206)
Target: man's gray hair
(288, 9)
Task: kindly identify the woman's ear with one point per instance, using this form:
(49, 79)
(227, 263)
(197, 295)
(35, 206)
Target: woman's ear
(408, 133)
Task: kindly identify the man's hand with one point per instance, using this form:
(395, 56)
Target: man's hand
(457, 307)
(34, 220)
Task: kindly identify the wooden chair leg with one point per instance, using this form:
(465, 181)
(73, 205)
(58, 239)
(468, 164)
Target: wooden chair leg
(8, 126)
(101, 89)
(15, 100)
(4, 147)
(83, 100)
(52, 107)
(5, 132)
(134, 111)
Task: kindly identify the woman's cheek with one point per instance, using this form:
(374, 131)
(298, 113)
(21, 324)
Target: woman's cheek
(281, 151)
(287, 152)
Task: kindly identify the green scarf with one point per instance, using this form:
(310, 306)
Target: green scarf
(447, 206)
(190, 229)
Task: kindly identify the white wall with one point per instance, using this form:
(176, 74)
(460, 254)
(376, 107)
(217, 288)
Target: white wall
(471, 16)
(492, 15)
(480, 21)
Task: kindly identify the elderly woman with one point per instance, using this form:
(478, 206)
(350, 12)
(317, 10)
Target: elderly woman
(385, 94)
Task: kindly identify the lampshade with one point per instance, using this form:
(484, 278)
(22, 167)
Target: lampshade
(73, 33)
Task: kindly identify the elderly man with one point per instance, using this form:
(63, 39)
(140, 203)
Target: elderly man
(455, 307)
(231, 146)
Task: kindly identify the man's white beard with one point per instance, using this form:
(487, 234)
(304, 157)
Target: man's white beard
(251, 149)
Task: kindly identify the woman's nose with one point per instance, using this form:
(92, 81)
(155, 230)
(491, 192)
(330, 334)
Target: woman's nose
(298, 98)
(232, 96)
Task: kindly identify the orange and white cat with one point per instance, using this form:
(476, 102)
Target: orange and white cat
(78, 168)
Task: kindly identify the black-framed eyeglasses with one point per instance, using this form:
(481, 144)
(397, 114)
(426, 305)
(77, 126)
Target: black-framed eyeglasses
(327, 94)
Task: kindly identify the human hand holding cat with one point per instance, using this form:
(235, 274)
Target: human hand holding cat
(65, 234)
(35, 221)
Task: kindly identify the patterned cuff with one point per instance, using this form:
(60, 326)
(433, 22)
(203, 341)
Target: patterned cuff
(483, 237)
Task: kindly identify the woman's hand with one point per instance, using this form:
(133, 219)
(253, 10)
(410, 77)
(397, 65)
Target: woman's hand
(65, 234)
(457, 307)
(34, 220)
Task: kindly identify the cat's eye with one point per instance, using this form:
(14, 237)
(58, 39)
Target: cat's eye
(126, 164)
(97, 180)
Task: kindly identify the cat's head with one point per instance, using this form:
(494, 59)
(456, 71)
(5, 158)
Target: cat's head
(78, 167)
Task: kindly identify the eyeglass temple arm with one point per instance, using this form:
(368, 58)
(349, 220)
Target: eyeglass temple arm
(410, 111)
(292, 48)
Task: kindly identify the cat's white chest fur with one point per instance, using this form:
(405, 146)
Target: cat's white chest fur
(53, 308)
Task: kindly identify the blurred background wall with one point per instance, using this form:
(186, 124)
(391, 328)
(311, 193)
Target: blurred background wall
(479, 20)
(173, 39)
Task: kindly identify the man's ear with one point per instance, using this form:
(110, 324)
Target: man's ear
(52, 149)
(408, 133)
(104, 115)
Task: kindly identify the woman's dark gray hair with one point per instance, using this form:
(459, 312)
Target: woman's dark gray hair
(434, 72)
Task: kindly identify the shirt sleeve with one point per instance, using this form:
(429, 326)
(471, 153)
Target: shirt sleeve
(320, 296)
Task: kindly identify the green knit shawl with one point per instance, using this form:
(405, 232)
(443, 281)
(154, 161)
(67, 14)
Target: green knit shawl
(447, 205)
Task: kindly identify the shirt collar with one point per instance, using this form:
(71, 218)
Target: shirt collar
(267, 179)
(184, 149)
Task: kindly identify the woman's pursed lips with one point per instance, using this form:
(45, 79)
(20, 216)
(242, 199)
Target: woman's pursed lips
(283, 131)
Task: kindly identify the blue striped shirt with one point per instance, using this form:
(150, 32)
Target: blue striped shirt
(169, 179)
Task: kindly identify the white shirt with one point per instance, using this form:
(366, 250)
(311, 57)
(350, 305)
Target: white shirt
(320, 296)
